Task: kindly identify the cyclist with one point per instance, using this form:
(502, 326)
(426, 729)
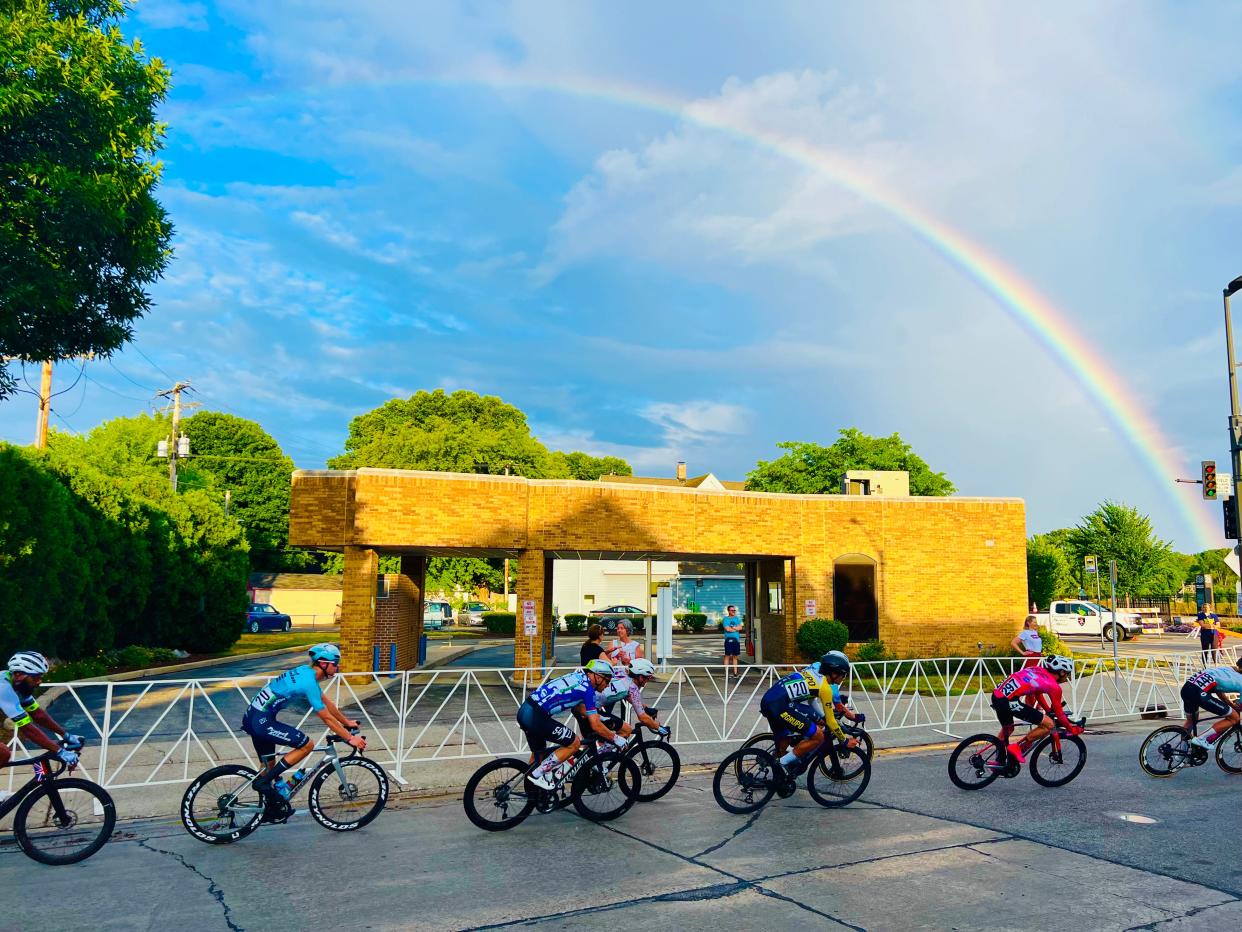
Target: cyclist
(799, 703)
(839, 705)
(17, 703)
(626, 685)
(578, 691)
(266, 731)
(1042, 686)
(1206, 690)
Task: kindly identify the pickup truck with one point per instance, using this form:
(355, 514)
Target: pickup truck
(1079, 617)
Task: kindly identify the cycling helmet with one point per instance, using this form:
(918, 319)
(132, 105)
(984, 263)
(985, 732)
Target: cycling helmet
(28, 661)
(641, 666)
(834, 662)
(600, 667)
(1057, 664)
(328, 652)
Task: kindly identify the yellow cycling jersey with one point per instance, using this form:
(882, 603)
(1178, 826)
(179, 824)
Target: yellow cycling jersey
(807, 684)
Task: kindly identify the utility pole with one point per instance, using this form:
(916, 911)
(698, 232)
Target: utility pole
(45, 405)
(176, 448)
(1235, 414)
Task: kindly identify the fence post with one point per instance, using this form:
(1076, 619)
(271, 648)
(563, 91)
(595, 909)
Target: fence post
(405, 697)
(103, 736)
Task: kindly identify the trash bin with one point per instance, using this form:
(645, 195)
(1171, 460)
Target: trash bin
(422, 649)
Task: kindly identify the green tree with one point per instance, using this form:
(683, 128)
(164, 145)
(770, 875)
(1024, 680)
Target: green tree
(814, 469)
(1047, 571)
(81, 234)
(1146, 565)
(588, 468)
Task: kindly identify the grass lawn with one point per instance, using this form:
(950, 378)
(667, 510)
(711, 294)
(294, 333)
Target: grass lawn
(275, 640)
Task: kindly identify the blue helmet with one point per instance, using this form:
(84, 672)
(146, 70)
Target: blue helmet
(328, 652)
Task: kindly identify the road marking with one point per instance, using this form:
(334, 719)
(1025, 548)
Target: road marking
(1133, 817)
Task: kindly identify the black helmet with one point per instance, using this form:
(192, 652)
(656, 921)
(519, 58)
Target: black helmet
(834, 662)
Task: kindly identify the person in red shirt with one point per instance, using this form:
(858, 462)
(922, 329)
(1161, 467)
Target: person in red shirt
(1041, 686)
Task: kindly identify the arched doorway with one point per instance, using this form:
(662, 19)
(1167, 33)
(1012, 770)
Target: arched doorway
(853, 596)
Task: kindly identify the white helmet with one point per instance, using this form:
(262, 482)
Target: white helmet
(1057, 664)
(641, 666)
(28, 661)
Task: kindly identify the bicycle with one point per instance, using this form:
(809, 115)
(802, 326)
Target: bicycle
(658, 762)
(747, 779)
(1168, 749)
(59, 821)
(766, 741)
(1056, 759)
(601, 784)
(222, 805)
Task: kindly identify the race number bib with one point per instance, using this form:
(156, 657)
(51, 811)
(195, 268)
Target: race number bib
(797, 689)
(1203, 680)
(1009, 687)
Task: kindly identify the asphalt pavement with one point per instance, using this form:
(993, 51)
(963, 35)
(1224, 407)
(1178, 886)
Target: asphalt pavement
(1113, 850)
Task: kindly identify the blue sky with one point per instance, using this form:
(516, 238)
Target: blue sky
(380, 197)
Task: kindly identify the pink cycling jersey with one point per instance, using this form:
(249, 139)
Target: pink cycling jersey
(1037, 683)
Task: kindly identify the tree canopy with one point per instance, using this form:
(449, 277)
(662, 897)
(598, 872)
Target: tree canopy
(1047, 571)
(81, 234)
(814, 469)
(1146, 565)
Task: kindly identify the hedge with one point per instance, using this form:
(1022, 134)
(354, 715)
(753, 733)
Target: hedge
(575, 622)
(88, 562)
(819, 635)
(500, 622)
(691, 622)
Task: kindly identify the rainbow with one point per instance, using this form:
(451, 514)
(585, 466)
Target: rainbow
(1017, 297)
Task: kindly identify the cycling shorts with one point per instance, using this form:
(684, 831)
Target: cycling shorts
(1007, 711)
(540, 728)
(266, 732)
(788, 718)
(1194, 699)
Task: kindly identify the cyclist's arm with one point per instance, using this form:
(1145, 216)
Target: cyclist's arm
(32, 724)
(826, 700)
(46, 722)
(335, 711)
(591, 717)
(1052, 705)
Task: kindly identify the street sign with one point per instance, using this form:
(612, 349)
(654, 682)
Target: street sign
(1224, 485)
(530, 624)
(1231, 561)
(811, 607)
(1089, 563)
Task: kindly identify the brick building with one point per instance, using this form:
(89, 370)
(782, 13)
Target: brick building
(930, 576)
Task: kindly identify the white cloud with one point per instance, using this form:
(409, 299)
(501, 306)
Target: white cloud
(695, 421)
(172, 14)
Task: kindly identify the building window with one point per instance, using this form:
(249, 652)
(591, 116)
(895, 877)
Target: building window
(776, 598)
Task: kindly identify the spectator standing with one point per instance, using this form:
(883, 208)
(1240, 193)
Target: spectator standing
(624, 649)
(592, 648)
(1028, 642)
(731, 624)
(1208, 622)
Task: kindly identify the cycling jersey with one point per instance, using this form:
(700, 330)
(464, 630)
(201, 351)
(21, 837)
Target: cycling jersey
(299, 681)
(14, 705)
(565, 692)
(622, 687)
(1217, 679)
(805, 686)
(1037, 683)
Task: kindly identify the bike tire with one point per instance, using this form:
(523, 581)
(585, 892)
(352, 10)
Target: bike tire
(866, 742)
(986, 748)
(835, 783)
(93, 837)
(1165, 751)
(659, 766)
(597, 780)
(500, 792)
(765, 741)
(349, 803)
(753, 770)
(1229, 751)
(236, 781)
(1043, 751)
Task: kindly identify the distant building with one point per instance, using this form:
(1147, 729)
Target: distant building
(307, 598)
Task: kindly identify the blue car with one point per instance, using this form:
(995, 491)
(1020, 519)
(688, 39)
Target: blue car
(264, 617)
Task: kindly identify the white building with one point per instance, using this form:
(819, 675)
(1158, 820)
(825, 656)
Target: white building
(578, 586)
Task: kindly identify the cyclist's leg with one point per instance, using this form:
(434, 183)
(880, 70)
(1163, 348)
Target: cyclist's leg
(1217, 706)
(1004, 715)
(540, 729)
(770, 711)
(799, 720)
(274, 732)
(1190, 706)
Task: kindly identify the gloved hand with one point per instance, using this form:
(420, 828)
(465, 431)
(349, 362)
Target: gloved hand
(69, 757)
(1076, 729)
(663, 731)
(860, 719)
(618, 741)
(73, 741)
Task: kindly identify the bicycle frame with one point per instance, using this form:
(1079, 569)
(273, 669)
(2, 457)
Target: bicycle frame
(330, 759)
(55, 767)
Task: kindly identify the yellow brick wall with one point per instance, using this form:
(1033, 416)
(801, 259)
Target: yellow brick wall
(950, 572)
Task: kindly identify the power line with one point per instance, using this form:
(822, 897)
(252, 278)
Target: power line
(81, 371)
(81, 401)
(127, 378)
(106, 388)
(148, 359)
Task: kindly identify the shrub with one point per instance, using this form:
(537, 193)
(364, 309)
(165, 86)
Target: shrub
(691, 622)
(575, 623)
(817, 636)
(874, 650)
(500, 622)
(1053, 644)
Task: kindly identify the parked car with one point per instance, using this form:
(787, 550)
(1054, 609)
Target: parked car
(437, 614)
(472, 612)
(607, 618)
(1079, 617)
(263, 617)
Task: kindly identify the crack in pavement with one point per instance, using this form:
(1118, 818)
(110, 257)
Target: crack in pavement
(736, 832)
(1186, 915)
(216, 891)
(872, 860)
(694, 894)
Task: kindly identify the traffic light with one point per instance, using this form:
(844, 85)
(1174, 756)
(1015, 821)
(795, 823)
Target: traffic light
(1209, 479)
(1230, 506)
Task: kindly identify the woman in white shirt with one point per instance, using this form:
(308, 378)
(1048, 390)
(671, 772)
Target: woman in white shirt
(625, 649)
(1027, 642)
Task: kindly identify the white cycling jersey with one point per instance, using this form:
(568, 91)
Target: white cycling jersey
(14, 705)
(622, 687)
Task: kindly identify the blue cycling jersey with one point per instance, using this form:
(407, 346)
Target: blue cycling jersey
(299, 681)
(1218, 679)
(565, 692)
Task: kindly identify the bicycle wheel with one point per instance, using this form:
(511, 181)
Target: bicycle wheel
(64, 821)
(221, 806)
(839, 777)
(659, 765)
(1229, 750)
(1050, 767)
(976, 762)
(350, 799)
(606, 786)
(495, 798)
(1165, 751)
(865, 741)
(745, 780)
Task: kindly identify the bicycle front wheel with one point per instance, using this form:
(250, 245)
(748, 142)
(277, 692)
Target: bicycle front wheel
(659, 764)
(976, 762)
(1050, 767)
(1165, 751)
(1229, 750)
(745, 780)
(64, 821)
(350, 799)
(606, 787)
(496, 795)
(221, 805)
(839, 777)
